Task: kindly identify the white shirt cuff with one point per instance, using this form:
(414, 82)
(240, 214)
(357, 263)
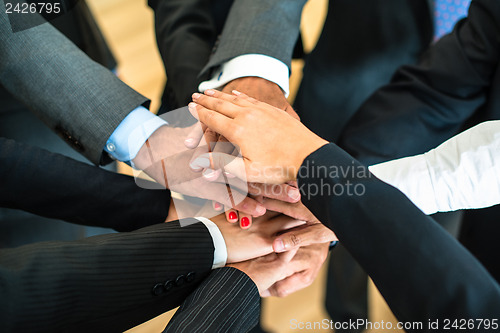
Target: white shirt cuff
(132, 133)
(257, 65)
(220, 252)
(410, 175)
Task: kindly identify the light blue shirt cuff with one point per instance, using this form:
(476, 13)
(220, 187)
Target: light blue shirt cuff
(132, 133)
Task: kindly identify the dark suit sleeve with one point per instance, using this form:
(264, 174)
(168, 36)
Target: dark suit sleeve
(77, 98)
(428, 103)
(226, 301)
(185, 33)
(422, 272)
(55, 186)
(106, 283)
(269, 27)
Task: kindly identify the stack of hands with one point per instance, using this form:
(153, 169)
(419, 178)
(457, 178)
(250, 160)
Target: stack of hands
(270, 235)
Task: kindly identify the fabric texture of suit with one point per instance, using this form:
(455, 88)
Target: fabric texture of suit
(422, 272)
(55, 186)
(361, 45)
(226, 301)
(79, 99)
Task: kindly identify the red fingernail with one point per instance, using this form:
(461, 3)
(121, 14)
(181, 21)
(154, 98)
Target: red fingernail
(217, 206)
(233, 216)
(245, 222)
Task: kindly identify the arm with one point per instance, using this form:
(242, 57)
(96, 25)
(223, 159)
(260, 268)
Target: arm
(426, 104)
(252, 27)
(79, 99)
(104, 283)
(185, 33)
(461, 173)
(74, 191)
(227, 301)
(396, 234)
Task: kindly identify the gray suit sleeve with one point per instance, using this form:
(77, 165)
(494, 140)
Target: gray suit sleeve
(76, 97)
(269, 27)
(226, 301)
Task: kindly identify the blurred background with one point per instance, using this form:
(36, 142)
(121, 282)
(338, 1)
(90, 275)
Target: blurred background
(129, 29)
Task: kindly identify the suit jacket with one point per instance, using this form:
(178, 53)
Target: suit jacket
(55, 186)
(455, 85)
(422, 272)
(185, 32)
(226, 301)
(79, 99)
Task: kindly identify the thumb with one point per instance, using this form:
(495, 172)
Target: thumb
(303, 236)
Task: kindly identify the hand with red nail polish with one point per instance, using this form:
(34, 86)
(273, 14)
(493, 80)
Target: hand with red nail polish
(244, 244)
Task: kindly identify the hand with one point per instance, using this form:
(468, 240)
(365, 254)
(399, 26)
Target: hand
(312, 233)
(262, 90)
(267, 270)
(304, 267)
(258, 241)
(165, 159)
(273, 143)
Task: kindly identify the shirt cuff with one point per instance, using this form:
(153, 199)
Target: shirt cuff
(411, 176)
(132, 133)
(257, 65)
(220, 252)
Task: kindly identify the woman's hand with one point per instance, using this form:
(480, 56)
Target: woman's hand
(273, 144)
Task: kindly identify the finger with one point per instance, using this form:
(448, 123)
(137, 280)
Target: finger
(303, 236)
(217, 206)
(211, 175)
(283, 192)
(232, 216)
(220, 104)
(290, 284)
(227, 163)
(245, 96)
(296, 210)
(213, 120)
(194, 136)
(245, 220)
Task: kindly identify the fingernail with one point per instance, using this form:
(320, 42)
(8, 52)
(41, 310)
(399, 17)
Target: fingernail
(190, 142)
(217, 206)
(210, 92)
(245, 222)
(196, 96)
(200, 163)
(293, 193)
(236, 92)
(279, 246)
(233, 216)
(192, 106)
(260, 210)
(209, 174)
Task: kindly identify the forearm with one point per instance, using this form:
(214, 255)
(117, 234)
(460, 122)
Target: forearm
(59, 285)
(55, 186)
(80, 100)
(379, 221)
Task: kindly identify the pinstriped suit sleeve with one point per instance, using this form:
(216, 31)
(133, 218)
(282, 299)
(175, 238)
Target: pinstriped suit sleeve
(226, 301)
(76, 97)
(107, 283)
(269, 27)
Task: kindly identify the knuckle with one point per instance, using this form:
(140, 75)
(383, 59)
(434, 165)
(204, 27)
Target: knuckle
(294, 240)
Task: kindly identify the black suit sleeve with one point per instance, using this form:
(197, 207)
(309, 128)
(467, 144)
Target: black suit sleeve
(428, 103)
(106, 283)
(422, 272)
(55, 186)
(226, 301)
(185, 33)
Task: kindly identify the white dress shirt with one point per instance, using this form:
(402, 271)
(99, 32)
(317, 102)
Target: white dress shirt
(462, 173)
